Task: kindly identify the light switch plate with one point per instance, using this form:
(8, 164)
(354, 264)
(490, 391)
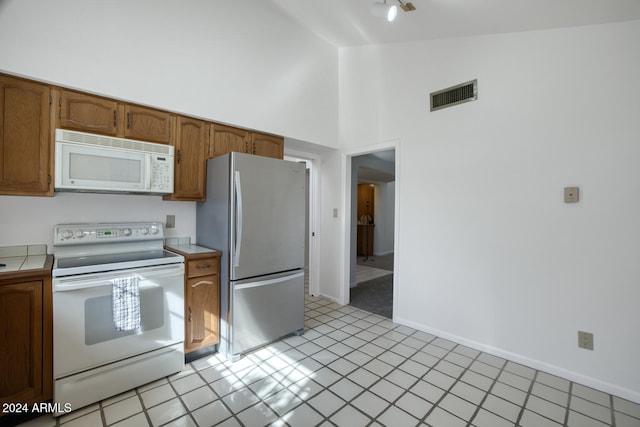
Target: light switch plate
(585, 340)
(171, 221)
(571, 194)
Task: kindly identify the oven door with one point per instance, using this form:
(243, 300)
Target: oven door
(85, 335)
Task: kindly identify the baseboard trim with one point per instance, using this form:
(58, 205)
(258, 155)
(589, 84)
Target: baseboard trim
(567, 374)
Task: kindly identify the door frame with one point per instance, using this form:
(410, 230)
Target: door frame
(314, 215)
(347, 162)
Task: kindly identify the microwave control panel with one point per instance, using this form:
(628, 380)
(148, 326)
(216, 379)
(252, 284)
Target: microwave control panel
(162, 174)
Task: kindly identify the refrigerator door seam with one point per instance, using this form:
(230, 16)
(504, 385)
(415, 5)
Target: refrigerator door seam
(268, 282)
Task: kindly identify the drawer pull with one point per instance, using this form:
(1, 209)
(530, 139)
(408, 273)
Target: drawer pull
(203, 266)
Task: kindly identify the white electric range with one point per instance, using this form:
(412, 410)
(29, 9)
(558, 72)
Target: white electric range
(118, 310)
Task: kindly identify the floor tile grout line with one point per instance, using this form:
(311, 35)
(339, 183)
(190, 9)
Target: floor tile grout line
(488, 392)
(568, 409)
(448, 390)
(348, 403)
(526, 399)
(613, 413)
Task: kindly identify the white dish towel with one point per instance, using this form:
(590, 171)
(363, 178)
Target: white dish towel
(126, 303)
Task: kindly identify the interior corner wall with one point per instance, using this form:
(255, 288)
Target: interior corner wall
(489, 254)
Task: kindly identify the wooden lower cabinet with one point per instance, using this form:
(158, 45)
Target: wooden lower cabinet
(26, 328)
(201, 299)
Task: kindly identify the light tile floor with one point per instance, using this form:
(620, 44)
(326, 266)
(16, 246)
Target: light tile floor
(352, 368)
(364, 273)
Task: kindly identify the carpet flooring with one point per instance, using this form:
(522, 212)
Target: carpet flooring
(376, 295)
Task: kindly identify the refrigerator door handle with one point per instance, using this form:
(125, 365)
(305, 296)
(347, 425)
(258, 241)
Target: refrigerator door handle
(238, 233)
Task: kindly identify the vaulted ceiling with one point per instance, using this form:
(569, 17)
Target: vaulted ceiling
(350, 23)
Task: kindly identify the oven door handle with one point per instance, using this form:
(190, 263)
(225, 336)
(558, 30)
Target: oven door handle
(74, 283)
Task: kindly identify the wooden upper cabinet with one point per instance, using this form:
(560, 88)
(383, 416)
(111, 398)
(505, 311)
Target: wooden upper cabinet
(26, 150)
(95, 114)
(87, 113)
(148, 124)
(190, 139)
(225, 139)
(267, 145)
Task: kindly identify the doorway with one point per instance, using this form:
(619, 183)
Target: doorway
(372, 239)
(311, 162)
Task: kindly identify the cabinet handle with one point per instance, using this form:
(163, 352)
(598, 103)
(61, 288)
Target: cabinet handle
(203, 266)
(178, 157)
(128, 120)
(189, 314)
(115, 117)
(246, 146)
(254, 148)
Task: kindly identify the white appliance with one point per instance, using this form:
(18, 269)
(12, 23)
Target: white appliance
(96, 163)
(255, 214)
(103, 343)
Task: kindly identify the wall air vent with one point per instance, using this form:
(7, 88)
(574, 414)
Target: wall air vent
(454, 95)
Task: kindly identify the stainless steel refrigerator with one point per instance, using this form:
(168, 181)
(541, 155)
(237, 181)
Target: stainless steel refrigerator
(255, 214)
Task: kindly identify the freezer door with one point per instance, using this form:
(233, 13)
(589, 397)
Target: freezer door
(265, 309)
(268, 216)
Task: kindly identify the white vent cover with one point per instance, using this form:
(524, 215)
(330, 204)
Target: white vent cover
(454, 95)
(112, 142)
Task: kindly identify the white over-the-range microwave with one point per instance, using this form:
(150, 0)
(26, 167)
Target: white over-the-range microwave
(96, 163)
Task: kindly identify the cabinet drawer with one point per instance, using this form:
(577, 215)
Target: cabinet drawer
(202, 267)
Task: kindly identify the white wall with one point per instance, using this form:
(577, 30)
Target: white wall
(489, 255)
(235, 62)
(30, 220)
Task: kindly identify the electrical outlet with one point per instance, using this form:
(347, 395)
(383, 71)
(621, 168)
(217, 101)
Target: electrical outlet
(585, 340)
(170, 222)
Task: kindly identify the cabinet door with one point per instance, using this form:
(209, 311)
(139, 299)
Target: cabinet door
(267, 145)
(87, 113)
(190, 160)
(26, 151)
(202, 311)
(147, 124)
(21, 360)
(225, 139)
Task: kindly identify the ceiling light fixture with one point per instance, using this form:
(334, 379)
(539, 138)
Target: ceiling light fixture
(407, 7)
(384, 10)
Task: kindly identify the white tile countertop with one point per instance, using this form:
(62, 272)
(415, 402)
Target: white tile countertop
(183, 244)
(20, 258)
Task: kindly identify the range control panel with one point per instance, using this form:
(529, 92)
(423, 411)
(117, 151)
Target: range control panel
(106, 232)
